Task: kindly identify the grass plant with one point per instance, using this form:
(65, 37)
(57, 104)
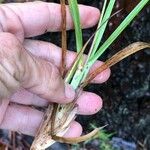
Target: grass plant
(58, 116)
(96, 51)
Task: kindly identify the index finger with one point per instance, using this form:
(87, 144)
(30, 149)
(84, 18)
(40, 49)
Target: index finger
(39, 17)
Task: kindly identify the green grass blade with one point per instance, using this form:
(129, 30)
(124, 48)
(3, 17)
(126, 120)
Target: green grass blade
(104, 19)
(105, 15)
(118, 31)
(74, 10)
(77, 79)
(93, 49)
(76, 19)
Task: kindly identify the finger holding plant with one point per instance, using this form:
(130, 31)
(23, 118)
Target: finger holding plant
(58, 117)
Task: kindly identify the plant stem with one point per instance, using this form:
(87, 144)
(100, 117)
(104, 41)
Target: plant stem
(63, 37)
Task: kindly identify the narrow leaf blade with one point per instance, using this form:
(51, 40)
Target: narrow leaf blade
(76, 19)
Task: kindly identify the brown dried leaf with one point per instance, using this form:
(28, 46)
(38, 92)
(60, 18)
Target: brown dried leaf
(83, 138)
(77, 139)
(133, 48)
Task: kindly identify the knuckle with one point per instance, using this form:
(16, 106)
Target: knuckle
(9, 21)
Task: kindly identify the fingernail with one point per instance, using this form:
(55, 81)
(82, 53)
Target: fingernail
(69, 91)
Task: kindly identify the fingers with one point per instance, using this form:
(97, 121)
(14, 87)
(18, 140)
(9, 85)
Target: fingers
(36, 18)
(20, 68)
(52, 53)
(25, 97)
(27, 120)
(88, 103)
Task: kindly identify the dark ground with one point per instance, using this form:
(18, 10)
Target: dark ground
(126, 94)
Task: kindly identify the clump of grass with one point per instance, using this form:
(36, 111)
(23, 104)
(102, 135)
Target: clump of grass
(58, 116)
(96, 49)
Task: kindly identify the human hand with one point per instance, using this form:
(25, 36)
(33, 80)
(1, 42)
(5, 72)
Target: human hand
(29, 67)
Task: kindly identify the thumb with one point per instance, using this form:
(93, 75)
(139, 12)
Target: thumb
(20, 68)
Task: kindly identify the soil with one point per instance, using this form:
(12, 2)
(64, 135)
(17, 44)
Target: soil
(126, 95)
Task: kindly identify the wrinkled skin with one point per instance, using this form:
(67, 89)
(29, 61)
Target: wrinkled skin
(29, 69)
